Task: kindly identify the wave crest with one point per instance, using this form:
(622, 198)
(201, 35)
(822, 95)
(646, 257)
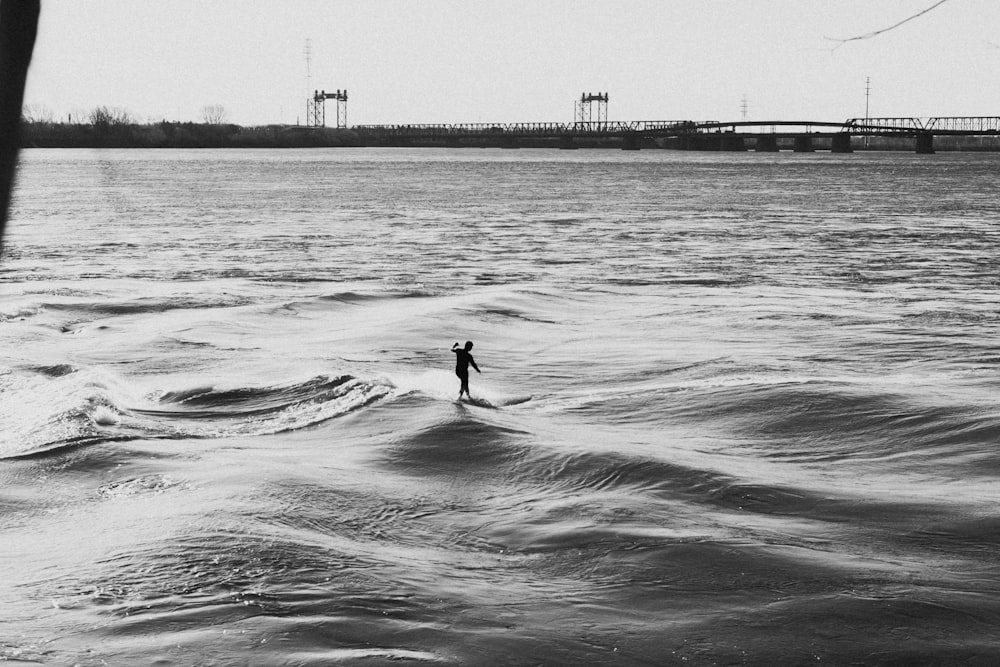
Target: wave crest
(55, 412)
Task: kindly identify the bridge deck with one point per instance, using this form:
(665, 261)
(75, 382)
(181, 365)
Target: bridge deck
(953, 126)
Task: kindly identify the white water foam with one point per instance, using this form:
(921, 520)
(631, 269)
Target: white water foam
(443, 385)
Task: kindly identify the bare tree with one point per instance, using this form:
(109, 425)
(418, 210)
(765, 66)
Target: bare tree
(110, 116)
(214, 114)
(36, 113)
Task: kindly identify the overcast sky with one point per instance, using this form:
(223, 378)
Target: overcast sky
(447, 61)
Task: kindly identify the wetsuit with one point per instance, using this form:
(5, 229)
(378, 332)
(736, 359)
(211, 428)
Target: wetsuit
(462, 360)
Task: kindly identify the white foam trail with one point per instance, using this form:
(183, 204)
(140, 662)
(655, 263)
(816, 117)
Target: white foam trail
(444, 386)
(40, 410)
(435, 383)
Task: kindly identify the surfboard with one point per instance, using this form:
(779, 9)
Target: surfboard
(483, 403)
(478, 402)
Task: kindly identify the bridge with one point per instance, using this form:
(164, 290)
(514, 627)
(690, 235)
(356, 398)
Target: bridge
(803, 135)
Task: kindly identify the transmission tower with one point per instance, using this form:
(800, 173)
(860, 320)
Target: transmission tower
(743, 107)
(316, 104)
(308, 53)
(868, 90)
(585, 110)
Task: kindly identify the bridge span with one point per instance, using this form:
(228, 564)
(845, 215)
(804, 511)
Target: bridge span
(804, 135)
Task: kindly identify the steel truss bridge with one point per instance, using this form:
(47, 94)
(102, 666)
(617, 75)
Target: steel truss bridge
(943, 125)
(529, 129)
(696, 135)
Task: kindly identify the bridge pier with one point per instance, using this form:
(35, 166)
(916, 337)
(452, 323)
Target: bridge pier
(687, 142)
(730, 142)
(803, 144)
(767, 143)
(509, 142)
(567, 143)
(632, 141)
(711, 142)
(841, 143)
(925, 144)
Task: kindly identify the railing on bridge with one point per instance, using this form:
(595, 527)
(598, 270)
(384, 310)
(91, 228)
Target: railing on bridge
(934, 125)
(529, 129)
(899, 125)
(975, 124)
(683, 134)
(904, 126)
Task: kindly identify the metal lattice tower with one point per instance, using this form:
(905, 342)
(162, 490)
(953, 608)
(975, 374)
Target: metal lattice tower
(868, 92)
(316, 108)
(585, 109)
(308, 54)
(315, 111)
(342, 108)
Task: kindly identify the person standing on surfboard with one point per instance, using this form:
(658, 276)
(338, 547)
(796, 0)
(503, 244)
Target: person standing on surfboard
(462, 360)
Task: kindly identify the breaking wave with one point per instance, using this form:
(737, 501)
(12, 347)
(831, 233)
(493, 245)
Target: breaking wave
(87, 407)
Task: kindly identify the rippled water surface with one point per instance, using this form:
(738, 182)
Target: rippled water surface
(734, 408)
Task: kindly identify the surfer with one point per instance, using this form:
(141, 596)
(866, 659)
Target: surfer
(462, 360)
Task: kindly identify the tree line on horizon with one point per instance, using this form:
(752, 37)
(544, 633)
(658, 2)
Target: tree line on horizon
(114, 127)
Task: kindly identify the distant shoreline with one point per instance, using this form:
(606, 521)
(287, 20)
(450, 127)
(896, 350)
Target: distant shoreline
(181, 135)
(203, 135)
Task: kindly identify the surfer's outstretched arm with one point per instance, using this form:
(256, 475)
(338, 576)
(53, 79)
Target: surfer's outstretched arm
(473, 362)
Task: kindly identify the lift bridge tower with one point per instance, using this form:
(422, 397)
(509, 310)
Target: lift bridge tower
(585, 111)
(316, 108)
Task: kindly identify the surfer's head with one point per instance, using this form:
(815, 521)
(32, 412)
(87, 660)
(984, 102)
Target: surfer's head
(468, 345)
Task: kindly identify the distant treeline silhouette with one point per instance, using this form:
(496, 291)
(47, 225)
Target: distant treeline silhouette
(106, 127)
(112, 128)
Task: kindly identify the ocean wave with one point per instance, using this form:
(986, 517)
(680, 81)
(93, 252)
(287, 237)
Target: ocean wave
(642, 399)
(57, 407)
(604, 471)
(89, 407)
(21, 311)
(899, 423)
(960, 316)
(462, 445)
(144, 484)
(159, 304)
(219, 411)
(49, 409)
(875, 422)
(442, 385)
(55, 370)
(389, 295)
(351, 298)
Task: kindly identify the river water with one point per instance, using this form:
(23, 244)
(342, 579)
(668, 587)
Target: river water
(733, 409)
